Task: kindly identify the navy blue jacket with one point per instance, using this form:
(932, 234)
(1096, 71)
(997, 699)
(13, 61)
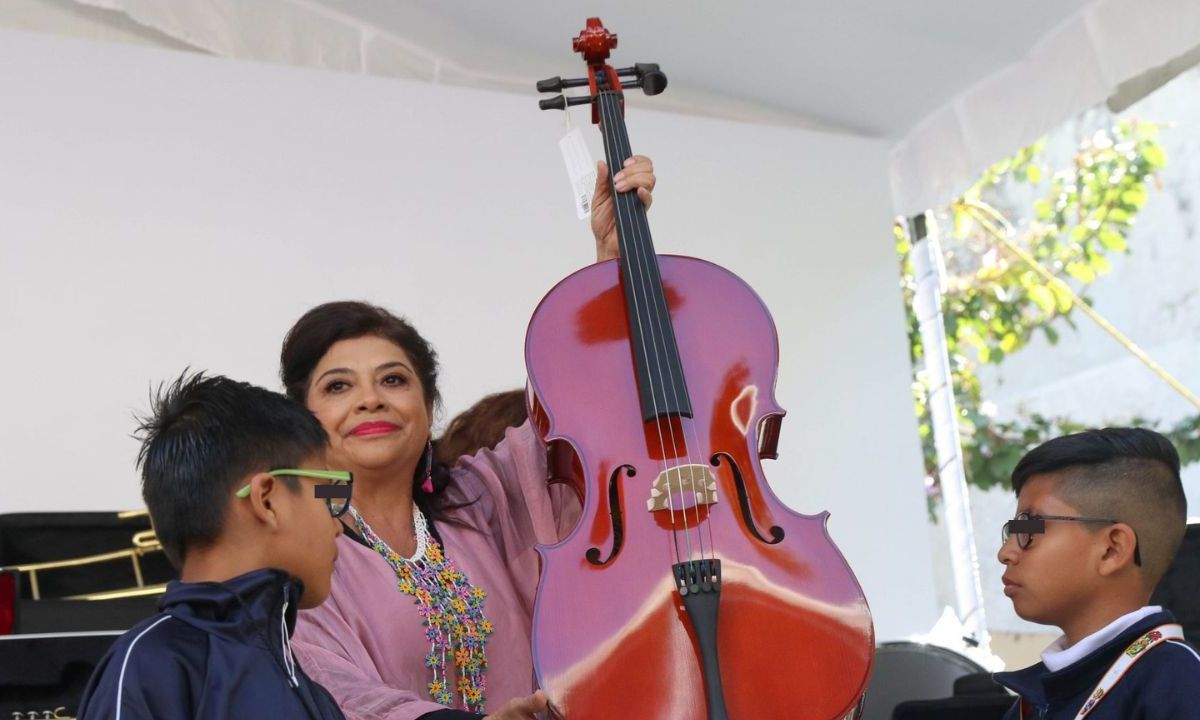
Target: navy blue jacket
(216, 651)
(1162, 685)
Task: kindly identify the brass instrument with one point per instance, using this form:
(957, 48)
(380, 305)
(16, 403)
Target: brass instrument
(55, 714)
(142, 543)
(62, 562)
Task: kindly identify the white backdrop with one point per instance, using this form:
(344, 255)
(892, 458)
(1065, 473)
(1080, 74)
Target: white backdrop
(160, 210)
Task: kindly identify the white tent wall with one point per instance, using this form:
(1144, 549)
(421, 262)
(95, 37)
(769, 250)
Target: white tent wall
(1112, 50)
(161, 210)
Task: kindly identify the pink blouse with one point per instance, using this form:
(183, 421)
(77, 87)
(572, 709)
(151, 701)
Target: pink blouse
(366, 644)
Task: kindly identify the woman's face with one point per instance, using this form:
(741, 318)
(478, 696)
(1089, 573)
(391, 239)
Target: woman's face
(366, 393)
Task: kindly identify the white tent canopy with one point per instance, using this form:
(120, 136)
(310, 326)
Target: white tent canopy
(953, 86)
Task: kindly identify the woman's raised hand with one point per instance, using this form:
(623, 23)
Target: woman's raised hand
(521, 708)
(638, 174)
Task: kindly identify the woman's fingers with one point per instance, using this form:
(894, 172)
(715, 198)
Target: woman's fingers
(638, 172)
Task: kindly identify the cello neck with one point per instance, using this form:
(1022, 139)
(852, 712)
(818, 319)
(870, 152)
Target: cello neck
(633, 229)
(662, 388)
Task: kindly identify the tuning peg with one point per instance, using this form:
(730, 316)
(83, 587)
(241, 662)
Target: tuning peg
(554, 84)
(557, 84)
(560, 102)
(651, 83)
(651, 79)
(639, 69)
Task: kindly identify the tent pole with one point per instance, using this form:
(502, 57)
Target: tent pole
(930, 282)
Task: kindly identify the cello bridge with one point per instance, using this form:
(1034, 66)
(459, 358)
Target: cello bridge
(682, 487)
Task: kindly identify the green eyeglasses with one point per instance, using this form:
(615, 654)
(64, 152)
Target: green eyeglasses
(336, 494)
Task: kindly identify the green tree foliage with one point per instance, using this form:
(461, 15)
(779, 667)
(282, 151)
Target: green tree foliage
(994, 305)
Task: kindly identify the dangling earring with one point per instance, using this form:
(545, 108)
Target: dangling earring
(427, 483)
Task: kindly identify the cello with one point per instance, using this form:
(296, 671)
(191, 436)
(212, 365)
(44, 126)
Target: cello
(687, 591)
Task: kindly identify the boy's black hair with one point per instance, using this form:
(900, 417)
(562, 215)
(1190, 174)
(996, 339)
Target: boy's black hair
(204, 436)
(1128, 474)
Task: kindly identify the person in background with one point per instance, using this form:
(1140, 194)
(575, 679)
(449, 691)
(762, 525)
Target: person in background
(481, 426)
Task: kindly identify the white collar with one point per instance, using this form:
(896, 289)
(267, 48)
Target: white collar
(1058, 656)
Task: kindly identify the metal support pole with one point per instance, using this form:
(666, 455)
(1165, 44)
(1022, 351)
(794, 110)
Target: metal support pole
(927, 301)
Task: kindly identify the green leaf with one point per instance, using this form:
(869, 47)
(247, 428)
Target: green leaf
(1063, 294)
(1135, 196)
(962, 223)
(1044, 298)
(1113, 240)
(1081, 272)
(1101, 264)
(1043, 210)
(1117, 215)
(1155, 155)
(1033, 173)
(1008, 343)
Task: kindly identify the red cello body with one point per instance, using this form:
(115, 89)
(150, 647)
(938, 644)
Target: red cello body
(688, 591)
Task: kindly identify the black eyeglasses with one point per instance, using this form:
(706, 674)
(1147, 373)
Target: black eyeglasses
(336, 494)
(1024, 526)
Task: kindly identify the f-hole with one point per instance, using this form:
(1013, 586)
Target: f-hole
(775, 531)
(614, 511)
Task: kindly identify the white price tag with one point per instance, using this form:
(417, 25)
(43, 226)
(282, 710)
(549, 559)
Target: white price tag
(580, 169)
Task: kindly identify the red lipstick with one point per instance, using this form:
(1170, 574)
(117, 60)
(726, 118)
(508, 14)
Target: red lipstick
(374, 427)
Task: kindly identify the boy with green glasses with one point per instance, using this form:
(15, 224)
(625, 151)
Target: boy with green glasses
(235, 480)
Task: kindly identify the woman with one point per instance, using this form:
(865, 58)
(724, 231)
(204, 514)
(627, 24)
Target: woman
(430, 611)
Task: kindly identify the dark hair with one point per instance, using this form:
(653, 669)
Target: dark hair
(1128, 474)
(481, 426)
(317, 331)
(203, 436)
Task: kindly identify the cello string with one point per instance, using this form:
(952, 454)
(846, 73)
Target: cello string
(610, 110)
(688, 427)
(646, 263)
(613, 150)
(610, 152)
(650, 263)
(667, 336)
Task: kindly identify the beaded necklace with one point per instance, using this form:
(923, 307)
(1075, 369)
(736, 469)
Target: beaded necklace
(451, 611)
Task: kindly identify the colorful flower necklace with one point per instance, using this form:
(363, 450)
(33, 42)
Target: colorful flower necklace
(451, 610)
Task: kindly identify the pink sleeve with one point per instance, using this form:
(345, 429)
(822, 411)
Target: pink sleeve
(330, 652)
(523, 511)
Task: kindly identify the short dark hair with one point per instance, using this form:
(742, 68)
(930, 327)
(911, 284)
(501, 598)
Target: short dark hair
(203, 436)
(1128, 474)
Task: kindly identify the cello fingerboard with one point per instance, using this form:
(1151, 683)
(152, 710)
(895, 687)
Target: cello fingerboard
(661, 384)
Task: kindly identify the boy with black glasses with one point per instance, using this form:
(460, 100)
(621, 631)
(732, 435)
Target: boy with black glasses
(1100, 516)
(235, 481)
